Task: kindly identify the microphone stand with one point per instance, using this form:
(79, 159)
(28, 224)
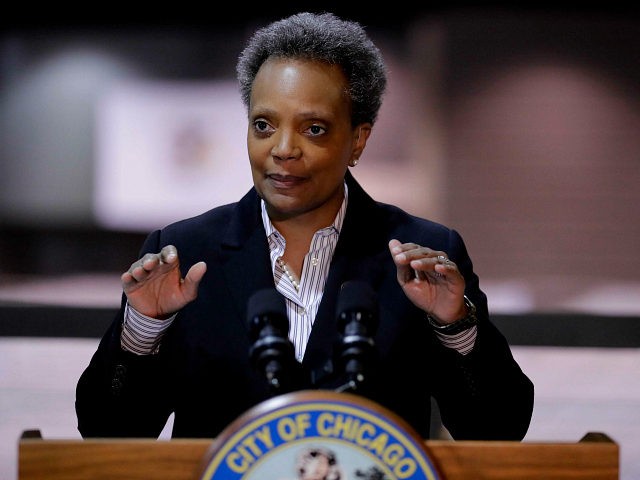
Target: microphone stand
(356, 350)
(357, 311)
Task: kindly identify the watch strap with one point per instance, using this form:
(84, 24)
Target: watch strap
(466, 322)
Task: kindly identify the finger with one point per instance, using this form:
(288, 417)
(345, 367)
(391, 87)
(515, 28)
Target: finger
(127, 280)
(396, 247)
(168, 254)
(426, 273)
(445, 267)
(404, 273)
(149, 261)
(426, 263)
(192, 280)
(435, 267)
(402, 252)
(137, 270)
(413, 251)
(442, 258)
(135, 275)
(421, 275)
(141, 269)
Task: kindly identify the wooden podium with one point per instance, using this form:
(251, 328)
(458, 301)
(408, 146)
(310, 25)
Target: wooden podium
(284, 427)
(594, 457)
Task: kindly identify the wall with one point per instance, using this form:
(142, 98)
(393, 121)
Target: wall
(519, 128)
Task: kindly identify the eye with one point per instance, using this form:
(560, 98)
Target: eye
(261, 126)
(316, 130)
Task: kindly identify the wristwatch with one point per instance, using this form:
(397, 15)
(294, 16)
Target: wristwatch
(468, 321)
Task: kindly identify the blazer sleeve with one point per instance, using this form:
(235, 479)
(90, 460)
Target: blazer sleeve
(483, 395)
(121, 394)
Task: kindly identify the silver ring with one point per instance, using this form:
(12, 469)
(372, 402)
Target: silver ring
(442, 259)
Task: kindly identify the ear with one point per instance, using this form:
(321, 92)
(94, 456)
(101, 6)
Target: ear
(360, 136)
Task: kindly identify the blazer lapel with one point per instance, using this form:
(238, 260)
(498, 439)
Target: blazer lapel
(352, 260)
(245, 253)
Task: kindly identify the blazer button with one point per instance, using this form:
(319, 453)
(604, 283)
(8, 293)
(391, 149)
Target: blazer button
(118, 379)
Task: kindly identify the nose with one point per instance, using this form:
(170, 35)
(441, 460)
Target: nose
(285, 146)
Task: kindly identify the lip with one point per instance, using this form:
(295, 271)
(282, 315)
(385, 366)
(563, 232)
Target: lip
(283, 181)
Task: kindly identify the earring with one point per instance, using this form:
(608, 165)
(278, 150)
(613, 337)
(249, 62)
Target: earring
(354, 162)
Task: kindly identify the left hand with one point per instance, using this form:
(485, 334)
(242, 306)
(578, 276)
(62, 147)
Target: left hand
(430, 280)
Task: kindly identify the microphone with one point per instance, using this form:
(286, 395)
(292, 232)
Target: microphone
(357, 312)
(272, 353)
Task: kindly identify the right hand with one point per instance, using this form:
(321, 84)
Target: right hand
(154, 286)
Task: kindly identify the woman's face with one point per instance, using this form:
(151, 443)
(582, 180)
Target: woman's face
(300, 139)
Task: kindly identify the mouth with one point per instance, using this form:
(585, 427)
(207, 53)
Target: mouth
(281, 181)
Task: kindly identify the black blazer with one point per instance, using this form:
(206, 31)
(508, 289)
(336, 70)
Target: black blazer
(203, 373)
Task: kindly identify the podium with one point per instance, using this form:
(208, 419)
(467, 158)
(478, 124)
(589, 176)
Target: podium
(594, 457)
(344, 425)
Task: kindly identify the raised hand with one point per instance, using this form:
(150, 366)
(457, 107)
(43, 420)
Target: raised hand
(430, 280)
(154, 285)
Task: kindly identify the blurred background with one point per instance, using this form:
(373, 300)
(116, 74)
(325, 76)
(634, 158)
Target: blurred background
(517, 125)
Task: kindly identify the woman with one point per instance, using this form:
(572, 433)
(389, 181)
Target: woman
(312, 85)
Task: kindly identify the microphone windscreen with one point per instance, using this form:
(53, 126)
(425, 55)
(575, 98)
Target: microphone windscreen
(357, 295)
(267, 303)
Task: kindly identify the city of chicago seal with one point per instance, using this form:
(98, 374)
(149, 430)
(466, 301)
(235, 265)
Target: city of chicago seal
(318, 434)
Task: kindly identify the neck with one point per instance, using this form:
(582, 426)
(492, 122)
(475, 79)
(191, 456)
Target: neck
(303, 225)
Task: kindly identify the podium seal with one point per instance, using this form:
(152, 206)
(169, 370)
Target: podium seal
(319, 435)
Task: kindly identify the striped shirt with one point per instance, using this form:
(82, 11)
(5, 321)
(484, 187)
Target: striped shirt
(463, 342)
(142, 335)
(303, 303)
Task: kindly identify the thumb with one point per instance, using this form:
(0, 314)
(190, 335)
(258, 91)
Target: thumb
(192, 279)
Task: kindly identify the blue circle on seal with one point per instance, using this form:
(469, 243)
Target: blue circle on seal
(333, 435)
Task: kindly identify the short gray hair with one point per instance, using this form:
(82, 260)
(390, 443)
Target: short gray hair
(323, 37)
